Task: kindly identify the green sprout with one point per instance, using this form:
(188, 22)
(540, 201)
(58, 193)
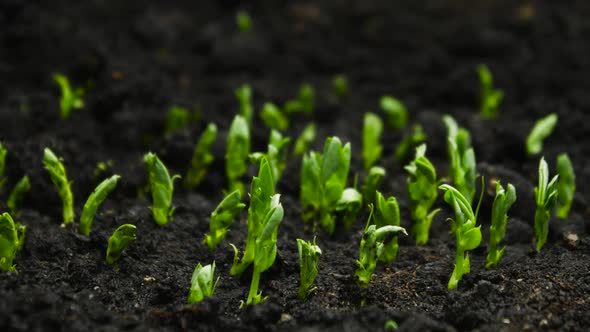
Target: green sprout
(349, 205)
(490, 98)
(542, 129)
(222, 218)
(238, 148)
(546, 194)
(468, 236)
(309, 255)
(273, 117)
(70, 98)
(422, 194)
(243, 21)
(305, 139)
(121, 238)
(162, 187)
(2, 165)
(58, 175)
(502, 203)
(371, 248)
(177, 118)
(566, 188)
(340, 85)
(463, 168)
(323, 180)
(410, 140)
(386, 213)
(94, 201)
(395, 112)
(244, 95)
(10, 242)
(372, 130)
(203, 283)
(202, 157)
(305, 101)
(371, 184)
(390, 325)
(276, 154)
(18, 193)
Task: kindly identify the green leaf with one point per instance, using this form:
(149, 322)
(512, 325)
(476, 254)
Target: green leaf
(244, 96)
(58, 175)
(238, 148)
(305, 139)
(162, 188)
(277, 153)
(410, 140)
(222, 218)
(203, 283)
(387, 213)
(340, 86)
(202, 157)
(546, 199)
(17, 195)
(309, 255)
(566, 187)
(177, 118)
(490, 98)
(542, 129)
(463, 167)
(350, 203)
(372, 130)
(502, 202)
(395, 112)
(273, 117)
(371, 184)
(9, 242)
(305, 101)
(121, 238)
(70, 98)
(94, 201)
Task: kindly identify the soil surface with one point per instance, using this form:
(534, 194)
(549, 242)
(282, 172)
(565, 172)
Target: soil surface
(139, 58)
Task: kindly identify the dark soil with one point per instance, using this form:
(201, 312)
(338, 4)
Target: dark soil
(140, 58)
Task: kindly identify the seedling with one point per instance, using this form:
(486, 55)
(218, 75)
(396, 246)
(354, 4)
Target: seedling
(349, 205)
(468, 236)
(238, 148)
(490, 98)
(546, 198)
(372, 131)
(273, 117)
(309, 255)
(244, 95)
(162, 187)
(371, 248)
(305, 101)
(17, 195)
(58, 175)
(120, 239)
(422, 193)
(463, 168)
(566, 187)
(386, 213)
(542, 129)
(276, 154)
(410, 140)
(395, 112)
(177, 118)
(71, 98)
(305, 139)
(243, 21)
(502, 203)
(340, 86)
(9, 242)
(222, 218)
(94, 201)
(2, 165)
(371, 184)
(202, 157)
(203, 283)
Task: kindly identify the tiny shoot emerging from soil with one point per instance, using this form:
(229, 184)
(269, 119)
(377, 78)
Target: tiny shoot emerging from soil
(372, 131)
(203, 283)
(162, 188)
(542, 129)
(177, 118)
(386, 212)
(222, 218)
(546, 198)
(18, 193)
(9, 242)
(244, 96)
(371, 184)
(277, 152)
(273, 117)
(309, 255)
(58, 175)
(243, 21)
(121, 238)
(463, 168)
(305, 101)
(70, 98)
(395, 112)
(340, 86)
(305, 139)
(410, 140)
(202, 157)
(3, 153)
(490, 98)
(566, 188)
(502, 203)
(94, 201)
(236, 156)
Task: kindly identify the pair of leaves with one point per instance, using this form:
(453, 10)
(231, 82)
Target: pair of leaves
(238, 149)
(546, 198)
(71, 98)
(463, 168)
(162, 188)
(222, 218)
(203, 283)
(277, 153)
(490, 97)
(504, 199)
(121, 238)
(309, 255)
(57, 172)
(10, 241)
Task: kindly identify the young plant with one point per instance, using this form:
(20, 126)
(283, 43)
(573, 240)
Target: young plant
(177, 118)
(305, 139)
(243, 21)
(468, 236)
(203, 283)
(2, 165)
(244, 95)
(340, 86)
(276, 154)
(395, 112)
(162, 187)
(386, 213)
(202, 157)
(490, 98)
(371, 184)
(371, 248)
(70, 98)
(546, 198)
(542, 129)
(422, 193)
(566, 187)
(16, 196)
(222, 218)
(349, 205)
(309, 255)
(410, 140)
(121, 238)
(273, 117)
(463, 168)
(9, 242)
(372, 130)
(93, 203)
(238, 149)
(58, 175)
(305, 101)
(502, 203)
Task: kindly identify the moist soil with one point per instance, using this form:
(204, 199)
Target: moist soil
(139, 58)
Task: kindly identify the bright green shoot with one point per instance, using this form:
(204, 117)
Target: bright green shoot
(542, 129)
(502, 203)
(463, 168)
(243, 21)
(273, 117)
(2, 164)
(410, 140)
(18, 193)
(386, 212)
(468, 236)
(94, 201)
(70, 98)
(490, 97)
(162, 188)
(372, 131)
(178, 118)
(371, 248)
(566, 188)
(340, 86)
(371, 184)
(395, 112)
(309, 255)
(349, 205)
(236, 156)
(244, 96)
(202, 157)
(120, 239)
(422, 194)
(546, 198)
(203, 283)
(58, 175)
(222, 218)
(278, 149)
(305, 139)
(9, 242)
(305, 101)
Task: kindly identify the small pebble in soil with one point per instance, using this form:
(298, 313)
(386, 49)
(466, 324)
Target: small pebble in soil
(571, 239)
